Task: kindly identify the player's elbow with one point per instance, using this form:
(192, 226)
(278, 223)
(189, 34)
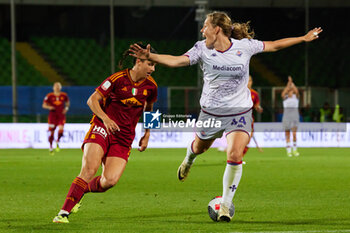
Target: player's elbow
(89, 101)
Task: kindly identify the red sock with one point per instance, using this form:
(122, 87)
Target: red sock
(245, 150)
(75, 193)
(51, 137)
(60, 134)
(95, 186)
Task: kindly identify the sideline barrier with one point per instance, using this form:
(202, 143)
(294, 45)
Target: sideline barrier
(34, 135)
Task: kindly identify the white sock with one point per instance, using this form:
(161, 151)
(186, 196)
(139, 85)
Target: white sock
(232, 176)
(295, 146)
(190, 156)
(63, 212)
(289, 148)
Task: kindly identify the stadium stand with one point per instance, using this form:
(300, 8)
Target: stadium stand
(27, 74)
(85, 62)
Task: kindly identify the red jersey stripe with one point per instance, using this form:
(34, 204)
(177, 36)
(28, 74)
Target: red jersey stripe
(113, 78)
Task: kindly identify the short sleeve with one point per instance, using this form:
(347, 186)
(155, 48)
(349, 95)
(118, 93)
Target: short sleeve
(254, 46)
(46, 99)
(153, 96)
(66, 98)
(106, 87)
(195, 53)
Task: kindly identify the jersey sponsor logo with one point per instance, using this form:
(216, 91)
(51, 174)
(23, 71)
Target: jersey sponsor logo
(106, 85)
(131, 102)
(99, 130)
(57, 102)
(228, 68)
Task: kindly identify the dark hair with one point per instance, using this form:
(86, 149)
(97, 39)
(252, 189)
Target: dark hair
(127, 52)
(235, 30)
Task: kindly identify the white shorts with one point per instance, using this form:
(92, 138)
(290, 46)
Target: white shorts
(289, 124)
(290, 119)
(238, 122)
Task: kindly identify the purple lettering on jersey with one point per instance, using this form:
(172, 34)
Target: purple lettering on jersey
(228, 68)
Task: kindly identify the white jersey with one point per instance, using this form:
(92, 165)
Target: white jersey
(226, 75)
(291, 102)
(290, 109)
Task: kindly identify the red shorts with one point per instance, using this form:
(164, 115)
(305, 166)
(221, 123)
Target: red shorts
(56, 119)
(98, 134)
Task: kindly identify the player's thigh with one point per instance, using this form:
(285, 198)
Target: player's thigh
(236, 142)
(92, 157)
(113, 169)
(61, 127)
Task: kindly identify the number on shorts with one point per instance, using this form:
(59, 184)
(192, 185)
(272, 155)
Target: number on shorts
(241, 120)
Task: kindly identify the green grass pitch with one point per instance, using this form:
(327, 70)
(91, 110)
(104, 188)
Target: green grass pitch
(310, 193)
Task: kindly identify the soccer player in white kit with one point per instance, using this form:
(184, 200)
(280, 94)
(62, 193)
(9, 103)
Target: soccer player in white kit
(290, 120)
(224, 58)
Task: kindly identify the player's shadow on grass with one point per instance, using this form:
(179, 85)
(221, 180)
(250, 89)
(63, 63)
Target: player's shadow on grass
(203, 164)
(163, 215)
(325, 221)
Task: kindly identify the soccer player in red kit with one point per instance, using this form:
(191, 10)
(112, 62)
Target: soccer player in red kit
(58, 104)
(257, 107)
(117, 105)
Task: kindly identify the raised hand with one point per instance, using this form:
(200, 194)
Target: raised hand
(136, 51)
(312, 34)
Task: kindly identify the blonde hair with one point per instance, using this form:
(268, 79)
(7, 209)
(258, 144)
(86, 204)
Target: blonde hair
(235, 30)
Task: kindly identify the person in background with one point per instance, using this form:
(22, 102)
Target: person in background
(338, 115)
(290, 120)
(325, 113)
(57, 102)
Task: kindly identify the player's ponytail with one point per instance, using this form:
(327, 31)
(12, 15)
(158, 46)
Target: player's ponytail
(235, 30)
(127, 52)
(241, 31)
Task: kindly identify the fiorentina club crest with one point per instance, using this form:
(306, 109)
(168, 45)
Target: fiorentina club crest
(134, 91)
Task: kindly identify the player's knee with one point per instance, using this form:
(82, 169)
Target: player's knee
(109, 182)
(88, 174)
(235, 155)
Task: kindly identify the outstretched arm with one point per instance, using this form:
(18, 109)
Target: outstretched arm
(164, 59)
(272, 46)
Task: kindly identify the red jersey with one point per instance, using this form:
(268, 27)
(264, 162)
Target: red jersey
(59, 102)
(124, 101)
(255, 97)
